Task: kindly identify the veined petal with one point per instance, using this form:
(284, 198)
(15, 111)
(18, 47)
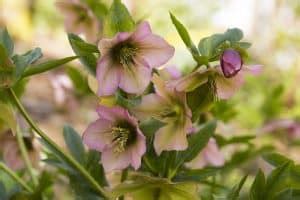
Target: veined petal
(170, 137)
(227, 87)
(162, 89)
(108, 76)
(115, 161)
(112, 113)
(135, 79)
(150, 106)
(138, 150)
(97, 136)
(152, 48)
(106, 44)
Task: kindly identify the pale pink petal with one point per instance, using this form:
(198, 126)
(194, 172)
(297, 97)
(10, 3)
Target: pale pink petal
(106, 44)
(212, 154)
(97, 136)
(112, 113)
(138, 150)
(170, 73)
(115, 161)
(150, 106)
(252, 69)
(227, 87)
(108, 76)
(170, 137)
(162, 88)
(135, 79)
(152, 48)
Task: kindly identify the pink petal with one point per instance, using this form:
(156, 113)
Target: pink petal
(170, 73)
(227, 87)
(152, 48)
(138, 150)
(162, 89)
(112, 113)
(212, 154)
(170, 137)
(108, 76)
(115, 161)
(135, 79)
(106, 44)
(252, 69)
(97, 136)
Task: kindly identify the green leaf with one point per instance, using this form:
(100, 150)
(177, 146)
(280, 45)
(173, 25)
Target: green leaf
(222, 141)
(7, 116)
(196, 175)
(126, 102)
(74, 143)
(234, 34)
(23, 61)
(150, 126)
(98, 7)
(118, 19)
(79, 80)
(235, 191)
(257, 190)
(196, 142)
(3, 194)
(94, 167)
(46, 66)
(276, 159)
(7, 70)
(182, 31)
(86, 57)
(277, 180)
(6, 41)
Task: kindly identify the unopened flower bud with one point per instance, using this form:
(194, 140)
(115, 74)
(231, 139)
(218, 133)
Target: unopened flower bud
(231, 63)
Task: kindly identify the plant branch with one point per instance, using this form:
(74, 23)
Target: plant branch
(51, 143)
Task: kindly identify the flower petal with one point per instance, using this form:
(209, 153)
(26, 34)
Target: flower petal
(227, 87)
(97, 136)
(115, 161)
(135, 79)
(252, 69)
(150, 106)
(112, 113)
(138, 150)
(152, 48)
(106, 44)
(108, 76)
(170, 137)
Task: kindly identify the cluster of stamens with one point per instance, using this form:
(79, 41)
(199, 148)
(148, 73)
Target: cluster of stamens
(120, 138)
(126, 55)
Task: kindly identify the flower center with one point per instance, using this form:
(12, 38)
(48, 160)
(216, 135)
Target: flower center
(124, 134)
(124, 53)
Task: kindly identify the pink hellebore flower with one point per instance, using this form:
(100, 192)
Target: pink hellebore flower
(289, 126)
(228, 77)
(79, 19)
(169, 107)
(210, 155)
(116, 134)
(128, 58)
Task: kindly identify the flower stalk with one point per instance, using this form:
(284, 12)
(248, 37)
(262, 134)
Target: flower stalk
(14, 176)
(66, 157)
(25, 157)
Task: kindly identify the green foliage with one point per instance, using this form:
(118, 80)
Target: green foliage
(118, 19)
(79, 81)
(23, 61)
(235, 191)
(127, 102)
(46, 66)
(6, 41)
(84, 51)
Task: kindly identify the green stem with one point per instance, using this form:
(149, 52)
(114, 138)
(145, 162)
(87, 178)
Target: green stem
(25, 157)
(123, 178)
(14, 176)
(51, 143)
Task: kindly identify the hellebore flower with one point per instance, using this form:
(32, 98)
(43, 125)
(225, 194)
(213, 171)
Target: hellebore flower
(128, 58)
(227, 78)
(116, 134)
(289, 126)
(210, 155)
(170, 107)
(79, 19)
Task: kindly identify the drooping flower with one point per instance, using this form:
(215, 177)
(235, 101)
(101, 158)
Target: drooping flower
(227, 78)
(168, 106)
(128, 58)
(116, 134)
(210, 155)
(79, 19)
(231, 63)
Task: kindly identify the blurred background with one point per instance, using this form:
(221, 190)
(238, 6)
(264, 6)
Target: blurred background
(268, 106)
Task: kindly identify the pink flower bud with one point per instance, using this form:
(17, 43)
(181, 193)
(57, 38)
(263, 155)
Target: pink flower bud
(231, 63)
